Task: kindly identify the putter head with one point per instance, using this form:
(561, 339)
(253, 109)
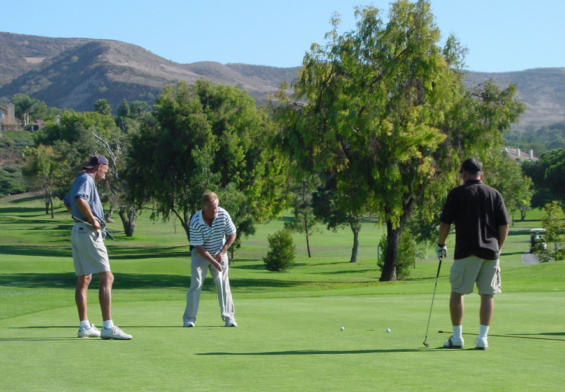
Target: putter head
(426, 344)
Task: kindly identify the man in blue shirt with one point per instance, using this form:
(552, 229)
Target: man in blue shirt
(212, 232)
(89, 252)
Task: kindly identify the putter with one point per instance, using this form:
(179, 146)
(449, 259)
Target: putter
(223, 300)
(110, 236)
(431, 307)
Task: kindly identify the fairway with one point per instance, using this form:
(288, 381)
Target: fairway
(289, 336)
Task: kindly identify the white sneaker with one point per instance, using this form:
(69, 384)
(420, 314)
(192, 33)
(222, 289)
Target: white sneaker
(114, 333)
(454, 343)
(188, 324)
(91, 332)
(481, 344)
(231, 323)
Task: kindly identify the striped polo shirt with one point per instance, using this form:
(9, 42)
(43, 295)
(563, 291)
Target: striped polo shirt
(212, 238)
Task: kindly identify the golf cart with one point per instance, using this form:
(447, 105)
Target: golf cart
(537, 240)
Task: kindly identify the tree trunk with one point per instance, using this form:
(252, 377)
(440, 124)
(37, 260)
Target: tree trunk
(128, 215)
(308, 244)
(355, 229)
(108, 216)
(393, 240)
(307, 236)
(52, 208)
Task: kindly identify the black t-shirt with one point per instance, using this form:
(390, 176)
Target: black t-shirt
(477, 211)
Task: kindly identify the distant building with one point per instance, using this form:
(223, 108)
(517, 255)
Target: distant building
(516, 153)
(8, 120)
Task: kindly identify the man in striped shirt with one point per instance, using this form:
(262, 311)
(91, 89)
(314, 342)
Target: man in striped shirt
(212, 232)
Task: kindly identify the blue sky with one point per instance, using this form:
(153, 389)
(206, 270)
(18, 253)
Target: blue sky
(500, 35)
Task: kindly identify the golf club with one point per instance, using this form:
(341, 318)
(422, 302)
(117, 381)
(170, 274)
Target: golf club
(510, 336)
(432, 306)
(110, 236)
(222, 300)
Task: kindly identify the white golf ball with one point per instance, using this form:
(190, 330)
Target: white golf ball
(388, 330)
(342, 328)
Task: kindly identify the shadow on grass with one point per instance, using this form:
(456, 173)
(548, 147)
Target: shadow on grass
(30, 250)
(315, 352)
(121, 253)
(137, 281)
(40, 339)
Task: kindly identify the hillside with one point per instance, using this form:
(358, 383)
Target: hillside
(75, 73)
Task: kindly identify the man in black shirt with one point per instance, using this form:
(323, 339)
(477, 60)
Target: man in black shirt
(481, 226)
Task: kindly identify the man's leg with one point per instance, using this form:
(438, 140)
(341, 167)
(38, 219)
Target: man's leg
(457, 308)
(487, 309)
(81, 296)
(198, 268)
(222, 282)
(105, 294)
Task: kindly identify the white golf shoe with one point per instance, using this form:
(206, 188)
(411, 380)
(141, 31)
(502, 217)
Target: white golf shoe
(188, 324)
(453, 342)
(231, 323)
(481, 344)
(91, 332)
(114, 333)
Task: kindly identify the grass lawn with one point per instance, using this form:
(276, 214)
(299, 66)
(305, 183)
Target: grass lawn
(289, 336)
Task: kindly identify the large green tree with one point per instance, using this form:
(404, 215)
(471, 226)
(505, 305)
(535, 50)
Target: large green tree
(388, 115)
(548, 174)
(205, 137)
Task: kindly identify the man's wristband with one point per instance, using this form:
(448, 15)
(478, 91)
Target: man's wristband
(440, 245)
(223, 250)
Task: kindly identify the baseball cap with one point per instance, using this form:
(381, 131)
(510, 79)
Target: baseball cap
(472, 165)
(95, 160)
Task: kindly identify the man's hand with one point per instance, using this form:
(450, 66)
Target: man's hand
(217, 266)
(441, 251)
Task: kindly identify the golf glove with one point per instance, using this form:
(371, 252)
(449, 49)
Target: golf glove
(441, 251)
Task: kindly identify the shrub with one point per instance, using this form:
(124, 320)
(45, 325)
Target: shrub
(282, 251)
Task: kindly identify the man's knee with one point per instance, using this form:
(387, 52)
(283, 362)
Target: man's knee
(83, 280)
(106, 278)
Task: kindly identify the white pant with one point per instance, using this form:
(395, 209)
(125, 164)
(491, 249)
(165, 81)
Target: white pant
(199, 267)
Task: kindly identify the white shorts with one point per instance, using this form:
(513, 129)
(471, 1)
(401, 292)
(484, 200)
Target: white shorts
(89, 252)
(470, 270)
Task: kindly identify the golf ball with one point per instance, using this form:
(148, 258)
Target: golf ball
(388, 330)
(342, 328)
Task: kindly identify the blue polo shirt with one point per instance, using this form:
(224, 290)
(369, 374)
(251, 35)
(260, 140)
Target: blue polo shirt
(85, 188)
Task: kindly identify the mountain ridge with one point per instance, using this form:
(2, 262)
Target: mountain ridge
(74, 73)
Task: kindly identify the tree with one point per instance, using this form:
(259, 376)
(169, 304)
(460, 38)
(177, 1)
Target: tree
(28, 109)
(304, 220)
(332, 208)
(47, 168)
(200, 138)
(554, 233)
(387, 113)
(235, 202)
(505, 175)
(103, 107)
(547, 175)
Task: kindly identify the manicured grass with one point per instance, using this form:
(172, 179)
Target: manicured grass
(289, 336)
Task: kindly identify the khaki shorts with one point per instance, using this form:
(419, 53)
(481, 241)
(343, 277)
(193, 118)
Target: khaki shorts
(470, 270)
(89, 252)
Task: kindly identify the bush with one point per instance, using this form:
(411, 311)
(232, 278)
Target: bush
(282, 251)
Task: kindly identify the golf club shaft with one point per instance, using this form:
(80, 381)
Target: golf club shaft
(432, 305)
(511, 336)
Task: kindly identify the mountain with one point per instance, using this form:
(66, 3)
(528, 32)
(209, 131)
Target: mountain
(75, 72)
